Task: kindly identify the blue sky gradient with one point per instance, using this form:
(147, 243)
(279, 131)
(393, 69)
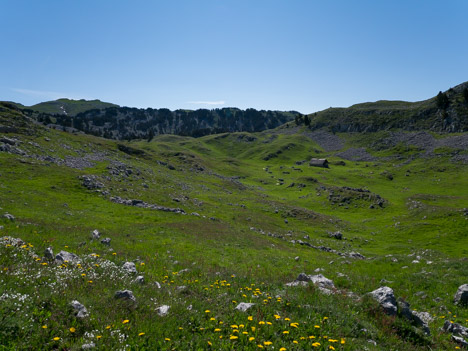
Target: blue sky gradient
(267, 54)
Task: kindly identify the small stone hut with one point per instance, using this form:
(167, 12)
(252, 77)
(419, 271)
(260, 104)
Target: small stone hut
(319, 162)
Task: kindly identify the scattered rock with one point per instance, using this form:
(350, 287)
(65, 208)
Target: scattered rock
(296, 258)
(95, 234)
(244, 306)
(125, 294)
(460, 340)
(140, 279)
(66, 257)
(48, 253)
(386, 299)
(455, 328)
(158, 285)
(405, 311)
(106, 241)
(130, 267)
(9, 216)
(88, 346)
(163, 310)
(80, 310)
(461, 297)
(324, 284)
(336, 235)
(142, 204)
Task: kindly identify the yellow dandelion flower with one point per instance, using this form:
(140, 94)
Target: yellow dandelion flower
(207, 311)
(212, 319)
(331, 347)
(277, 317)
(267, 343)
(287, 319)
(342, 341)
(125, 321)
(167, 339)
(250, 318)
(141, 334)
(233, 337)
(269, 323)
(251, 338)
(234, 326)
(72, 330)
(209, 343)
(282, 349)
(317, 326)
(260, 346)
(142, 263)
(98, 337)
(108, 327)
(114, 253)
(286, 332)
(261, 322)
(217, 330)
(295, 342)
(253, 329)
(56, 338)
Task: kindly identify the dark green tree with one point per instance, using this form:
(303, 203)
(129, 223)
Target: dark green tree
(306, 120)
(442, 100)
(150, 135)
(465, 94)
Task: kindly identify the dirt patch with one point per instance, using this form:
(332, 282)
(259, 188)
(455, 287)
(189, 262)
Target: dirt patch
(356, 154)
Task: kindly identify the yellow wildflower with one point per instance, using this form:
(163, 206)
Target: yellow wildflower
(72, 330)
(125, 321)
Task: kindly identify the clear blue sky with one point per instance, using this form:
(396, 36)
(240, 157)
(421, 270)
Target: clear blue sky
(300, 55)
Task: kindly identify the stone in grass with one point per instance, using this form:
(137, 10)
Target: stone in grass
(140, 279)
(9, 216)
(244, 306)
(129, 267)
(460, 340)
(106, 241)
(386, 299)
(125, 294)
(66, 257)
(95, 234)
(455, 328)
(80, 310)
(88, 346)
(417, 319)
(163, 310)
(461, 297)
(48, 253)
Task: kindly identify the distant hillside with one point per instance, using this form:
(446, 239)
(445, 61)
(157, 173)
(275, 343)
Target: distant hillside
(447, 112)
(68, 107)
(133, 123)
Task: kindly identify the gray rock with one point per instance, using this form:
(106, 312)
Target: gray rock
(336, 235)
(106, 241)
(125, 294)
(324, 284)
(297, 258)
(95, 234)
(9, 216)
(297, 283)
(185, 270)
(8, 141)
(140, 279)
(414, 317)
(88, 346)
(158, 285)
(48, 253)
(66, 257)
(461, 297)
(80, 310)
(244, 306)
(460, 340)
(130, 267)
(455, 328)
(163, 310)
(386, 299)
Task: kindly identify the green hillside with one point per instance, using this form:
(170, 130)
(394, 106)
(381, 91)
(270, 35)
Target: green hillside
(69, 107)
(230, 218)
(451, 116)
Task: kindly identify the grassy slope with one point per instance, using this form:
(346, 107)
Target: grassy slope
(225, 256)
(72, 107)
